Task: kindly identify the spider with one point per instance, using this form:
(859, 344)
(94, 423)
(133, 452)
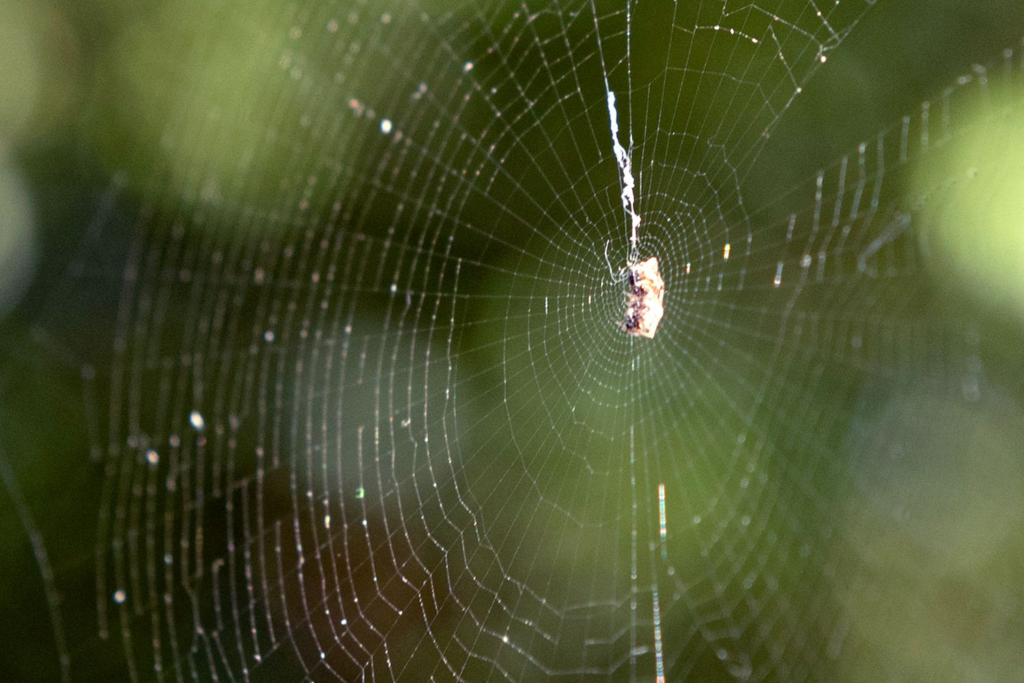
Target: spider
(645, 295)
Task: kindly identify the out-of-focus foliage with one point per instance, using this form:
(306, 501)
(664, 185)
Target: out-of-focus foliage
(973, 209)
(87, 90)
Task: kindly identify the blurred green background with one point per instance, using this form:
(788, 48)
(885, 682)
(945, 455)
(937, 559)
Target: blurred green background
(135, 138)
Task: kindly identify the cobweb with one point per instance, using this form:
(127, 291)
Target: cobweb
(365, 412)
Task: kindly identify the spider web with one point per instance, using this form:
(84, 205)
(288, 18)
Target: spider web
(366, 412)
